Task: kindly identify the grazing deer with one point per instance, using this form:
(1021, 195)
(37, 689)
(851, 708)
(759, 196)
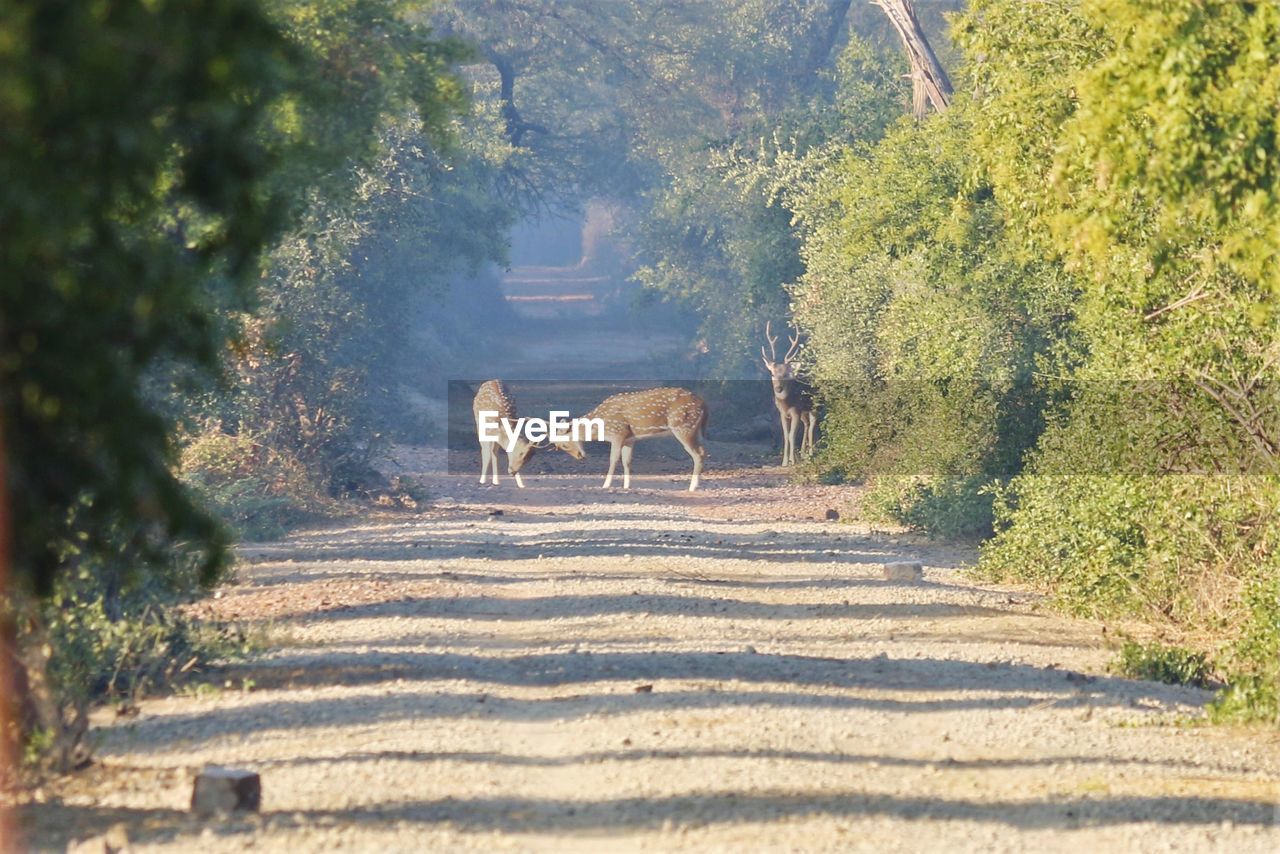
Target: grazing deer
(635, 415)
(493, 396)
(792, 397)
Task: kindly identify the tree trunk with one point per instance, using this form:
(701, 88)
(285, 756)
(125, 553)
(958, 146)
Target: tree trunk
(820, 50)
(929, 82)
(516, 125)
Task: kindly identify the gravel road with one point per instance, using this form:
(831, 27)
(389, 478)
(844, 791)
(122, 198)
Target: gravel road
(565, 669)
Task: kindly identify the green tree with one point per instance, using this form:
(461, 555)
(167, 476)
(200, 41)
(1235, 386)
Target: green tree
(111, 119)
(927, 323)
(1131, 142)
(150, 154)
(388, 168)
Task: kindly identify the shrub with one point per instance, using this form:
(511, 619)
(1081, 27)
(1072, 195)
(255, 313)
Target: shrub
(948, 507)
(1253, 690)
(104, 633)
(1173, 665)
(259, 491)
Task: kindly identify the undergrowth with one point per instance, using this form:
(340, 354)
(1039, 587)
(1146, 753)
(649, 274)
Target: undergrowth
(1156, 662)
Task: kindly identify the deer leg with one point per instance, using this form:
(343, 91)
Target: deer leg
(696, 451)
(627, 448)
(486, 452)
(810, 425)
(792, 429)
(615, 450)
(782, 414)
(519, 482)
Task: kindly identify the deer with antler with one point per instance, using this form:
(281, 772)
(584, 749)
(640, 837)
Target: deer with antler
(635, 415)
(792, 397)
(494, 400)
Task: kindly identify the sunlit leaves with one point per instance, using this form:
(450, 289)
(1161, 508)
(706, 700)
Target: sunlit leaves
(1181, 115)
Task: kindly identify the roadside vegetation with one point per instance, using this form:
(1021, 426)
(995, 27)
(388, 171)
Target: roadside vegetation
(1044, 317)
(1047, 317)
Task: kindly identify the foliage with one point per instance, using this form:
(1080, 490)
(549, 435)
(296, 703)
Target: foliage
(111, 118)
(1254, 692)
(118, 645)
(690, 115)
(927, 324)
(317, 363)
(258, 490)
(101, 634)
(954, 508)
(150, 153)
(1156, 662)
(1131, 147)
(718, 233)
(1175, 124)
(1060, 295)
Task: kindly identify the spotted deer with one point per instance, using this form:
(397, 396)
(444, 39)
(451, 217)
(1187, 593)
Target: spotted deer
(635, 415)
(792, 397)
(494, 396)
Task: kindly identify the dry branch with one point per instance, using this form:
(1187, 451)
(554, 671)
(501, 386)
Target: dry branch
(929, 82)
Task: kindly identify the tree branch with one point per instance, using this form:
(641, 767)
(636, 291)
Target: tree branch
(929, 82)
(516, 126)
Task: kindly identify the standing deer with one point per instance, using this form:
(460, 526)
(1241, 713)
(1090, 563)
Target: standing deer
(792, 397)
(635, 415)
(493, 396)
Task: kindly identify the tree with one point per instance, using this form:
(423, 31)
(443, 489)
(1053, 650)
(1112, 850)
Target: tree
(1134, 142)
(113, 119)
(150, 154)
(381, 114)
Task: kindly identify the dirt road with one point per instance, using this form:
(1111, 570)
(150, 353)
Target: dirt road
(660, 671)
(561, 668)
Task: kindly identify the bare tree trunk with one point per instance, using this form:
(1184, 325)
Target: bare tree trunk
(929, 82)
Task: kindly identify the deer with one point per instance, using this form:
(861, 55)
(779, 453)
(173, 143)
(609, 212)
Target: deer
(494, 396)
(635, 415)
(792, 397)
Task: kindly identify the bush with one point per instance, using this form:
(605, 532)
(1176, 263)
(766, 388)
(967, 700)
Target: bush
(259, 491)
(1253, 691)
(947, 507)
(930, 326)
(1199, 555)
(1155, 662)
(104, 635)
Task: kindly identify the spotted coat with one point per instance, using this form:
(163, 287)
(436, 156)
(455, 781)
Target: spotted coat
(635, 415)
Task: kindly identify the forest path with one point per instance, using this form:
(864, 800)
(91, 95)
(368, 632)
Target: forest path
(658, 670)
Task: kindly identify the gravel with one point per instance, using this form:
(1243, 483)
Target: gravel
(655, 670)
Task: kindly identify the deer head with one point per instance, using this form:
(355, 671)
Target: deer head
(520, 454)
(573, 448)
(781, 372)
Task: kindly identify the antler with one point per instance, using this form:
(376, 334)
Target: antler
(773, 344)
(795, 345)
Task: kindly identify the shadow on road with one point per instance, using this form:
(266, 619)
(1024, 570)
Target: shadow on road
(608, 679)
(556, 816)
